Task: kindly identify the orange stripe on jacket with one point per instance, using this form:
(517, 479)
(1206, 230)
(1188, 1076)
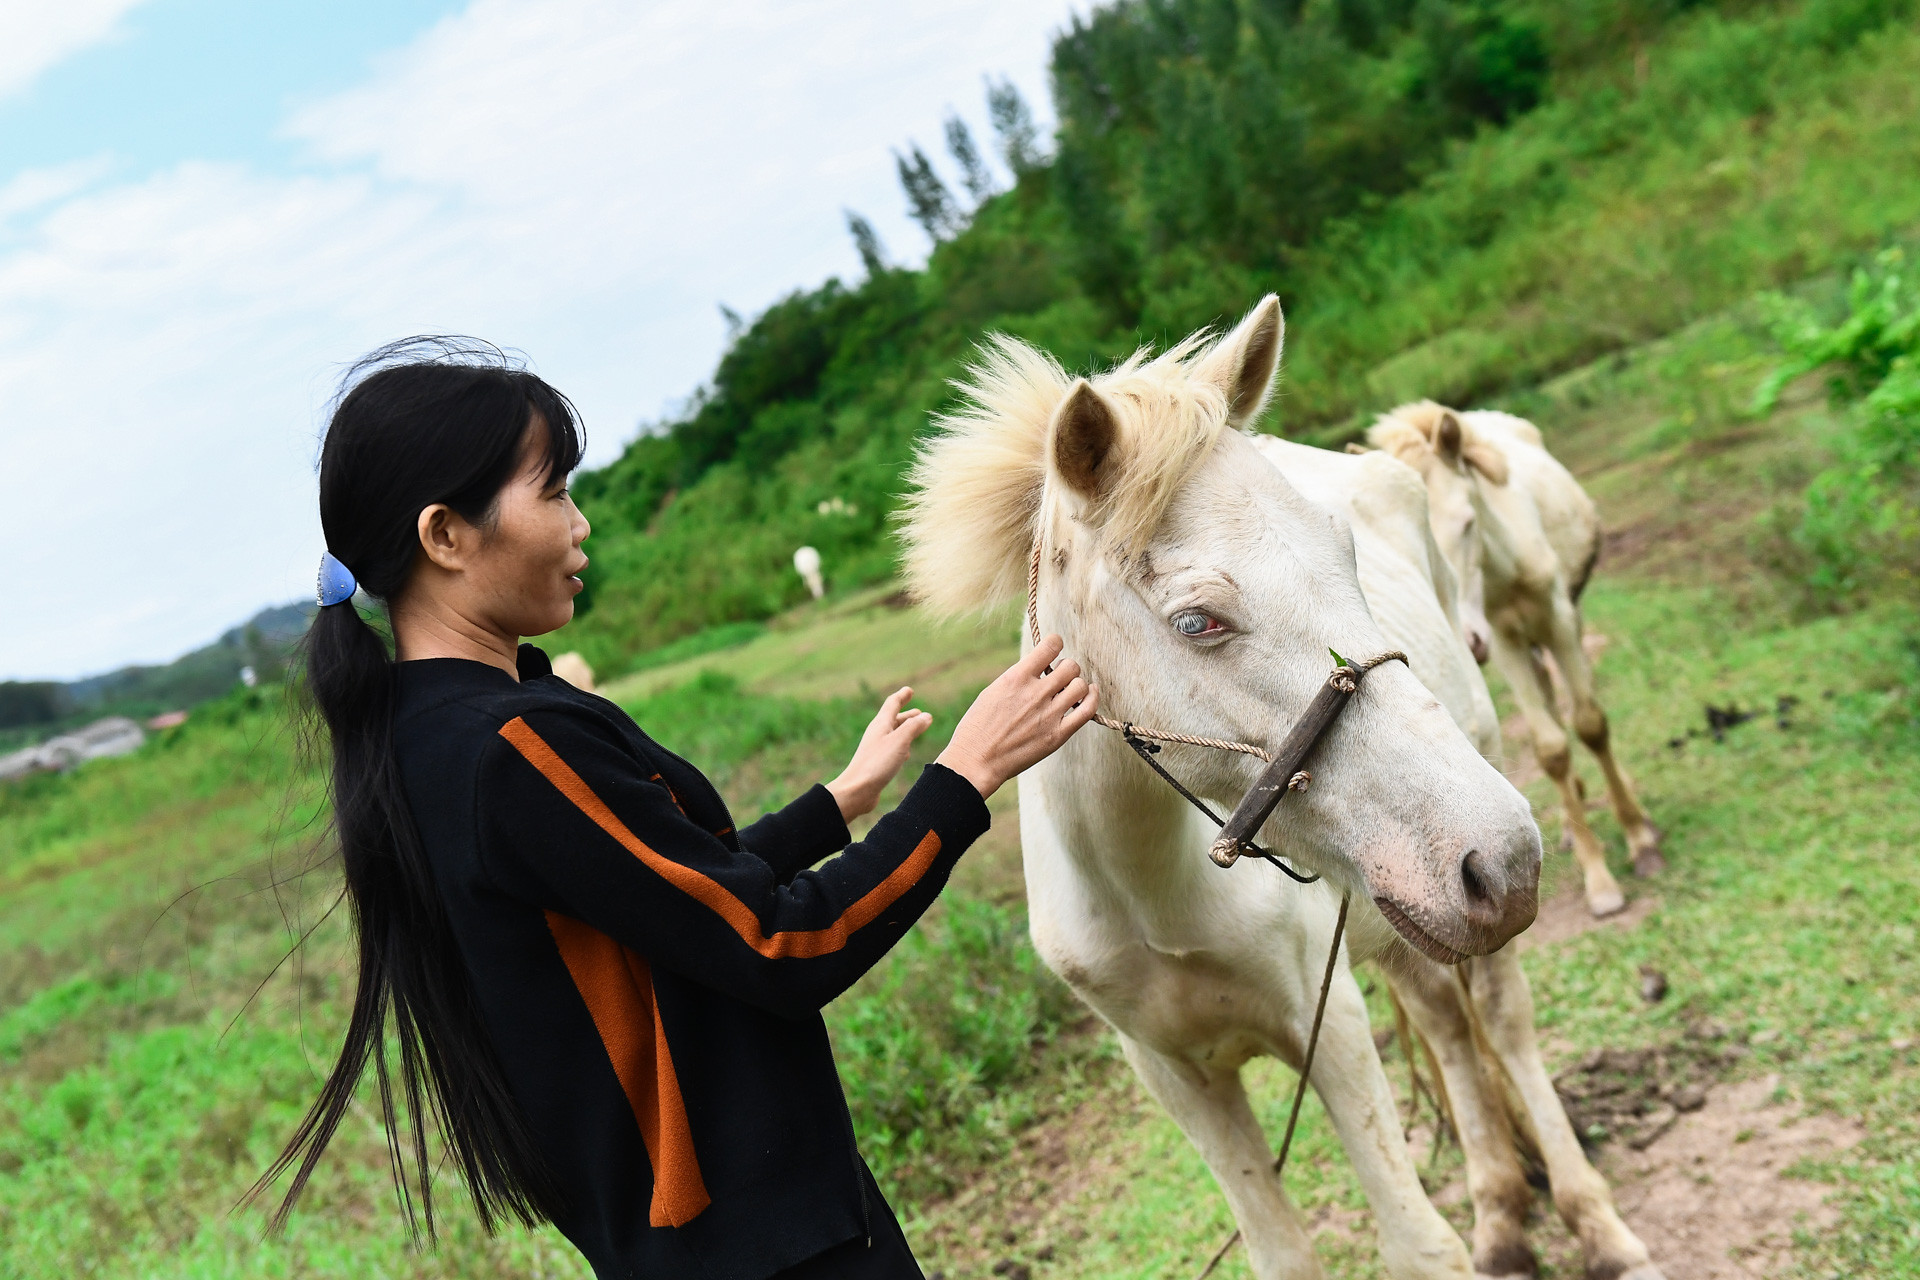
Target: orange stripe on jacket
(617, 987)
(710, 893)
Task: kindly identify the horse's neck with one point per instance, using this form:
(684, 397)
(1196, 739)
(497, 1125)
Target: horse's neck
(1505, 545)
(1127, 836)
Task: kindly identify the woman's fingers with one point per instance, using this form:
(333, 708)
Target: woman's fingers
(1062, 675)
(1073, 693)
(1040, 656)
(1078, 716)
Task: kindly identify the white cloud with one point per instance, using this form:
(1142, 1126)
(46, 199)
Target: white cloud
(32, 189)
(582, 179)
(40, 34)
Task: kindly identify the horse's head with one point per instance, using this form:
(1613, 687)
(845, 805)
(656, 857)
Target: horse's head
(1438, 443)
(1202, 593)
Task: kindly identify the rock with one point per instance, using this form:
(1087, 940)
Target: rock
(1013, 1270)
(1653, 984)
(1688, 1097)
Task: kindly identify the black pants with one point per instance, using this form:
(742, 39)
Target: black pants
(886, 1258)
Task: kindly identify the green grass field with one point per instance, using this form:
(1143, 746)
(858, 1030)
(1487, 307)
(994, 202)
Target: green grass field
(157, 1040)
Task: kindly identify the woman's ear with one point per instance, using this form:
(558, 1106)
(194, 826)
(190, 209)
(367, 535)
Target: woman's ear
(444, 536)
(1243, 363)
(1081, 440)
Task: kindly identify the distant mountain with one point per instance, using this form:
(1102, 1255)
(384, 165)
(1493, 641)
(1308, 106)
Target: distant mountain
(32, 710)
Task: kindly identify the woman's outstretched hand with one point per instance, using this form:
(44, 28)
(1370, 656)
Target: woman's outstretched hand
(1020, 719)
(883, 749)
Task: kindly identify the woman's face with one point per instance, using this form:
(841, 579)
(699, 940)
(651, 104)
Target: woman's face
(526, 571)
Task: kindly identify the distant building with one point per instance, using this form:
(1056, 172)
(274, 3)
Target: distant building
(167, 720)
(113, 736)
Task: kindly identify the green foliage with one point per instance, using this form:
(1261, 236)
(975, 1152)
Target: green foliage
(1861, 517)
(30, 703)
(931, 1043)
(1454, 198)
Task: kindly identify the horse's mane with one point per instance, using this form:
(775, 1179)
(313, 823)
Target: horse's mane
(1406, 432)
(976, 485)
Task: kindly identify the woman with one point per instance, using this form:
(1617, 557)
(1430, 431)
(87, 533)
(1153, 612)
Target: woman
(607, 998)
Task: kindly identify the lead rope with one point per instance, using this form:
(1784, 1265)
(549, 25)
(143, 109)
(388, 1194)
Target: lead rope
(1142, 741)
(1306, 1069)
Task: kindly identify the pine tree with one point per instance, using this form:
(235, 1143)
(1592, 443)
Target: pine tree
(973, 169)
(928, 199)
(865, 239)
(1013, 125)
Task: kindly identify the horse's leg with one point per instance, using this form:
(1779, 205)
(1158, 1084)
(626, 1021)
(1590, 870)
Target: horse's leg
(1495, 1181)
(1210, 1106)
(1503, 1005)
(1415, 1241)
(1590, 722)
(1533, 690)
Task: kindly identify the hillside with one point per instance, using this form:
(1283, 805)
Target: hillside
(31, 711)
(1594, 247)
(1451, 199)
(152, 1055)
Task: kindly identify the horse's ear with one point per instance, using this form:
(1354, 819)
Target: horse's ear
(1485, 459)
(1243, 363)
(1447, 437)
(1081, 438)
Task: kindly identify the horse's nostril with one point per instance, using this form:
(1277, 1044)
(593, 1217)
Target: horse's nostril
(1475, 884)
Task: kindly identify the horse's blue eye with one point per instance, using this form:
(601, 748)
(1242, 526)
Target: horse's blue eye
(1194, 624)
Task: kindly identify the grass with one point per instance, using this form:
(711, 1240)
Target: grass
(152, 1055)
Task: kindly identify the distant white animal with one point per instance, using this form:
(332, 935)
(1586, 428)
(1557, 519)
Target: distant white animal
(806, 563)
(573, 668)
(1522, 536)
(1476, 1017)
(1199, 589)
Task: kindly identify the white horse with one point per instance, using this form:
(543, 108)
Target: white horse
(1201, 591)
(1523, 536)
(1477, 1017)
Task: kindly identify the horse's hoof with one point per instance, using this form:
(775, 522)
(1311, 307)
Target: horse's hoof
(1508, 1260)
(1607, 902)
(1649, 861)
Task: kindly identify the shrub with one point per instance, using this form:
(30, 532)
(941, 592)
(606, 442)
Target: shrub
(1861, 516)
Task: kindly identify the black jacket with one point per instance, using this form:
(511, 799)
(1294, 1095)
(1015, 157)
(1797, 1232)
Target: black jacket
(651, 978)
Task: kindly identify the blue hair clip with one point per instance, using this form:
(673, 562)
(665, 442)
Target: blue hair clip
(336, 585)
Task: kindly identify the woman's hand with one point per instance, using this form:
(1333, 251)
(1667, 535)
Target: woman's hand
(883, 749)
(1020, 719)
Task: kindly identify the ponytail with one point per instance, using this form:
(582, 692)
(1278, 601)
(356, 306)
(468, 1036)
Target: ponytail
(424, 421)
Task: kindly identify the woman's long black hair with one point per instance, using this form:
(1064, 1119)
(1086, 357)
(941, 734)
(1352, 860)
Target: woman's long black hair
(418, 422)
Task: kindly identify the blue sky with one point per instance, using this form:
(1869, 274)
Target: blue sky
(212, 79)
(208, 207)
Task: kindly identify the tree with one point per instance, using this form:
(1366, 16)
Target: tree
(974, 171)
(1013, 126)
(865, 239)
(928, 199)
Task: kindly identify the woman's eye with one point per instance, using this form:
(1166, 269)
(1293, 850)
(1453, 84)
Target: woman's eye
(1195, 623)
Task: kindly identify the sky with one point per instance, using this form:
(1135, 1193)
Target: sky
(209, 207)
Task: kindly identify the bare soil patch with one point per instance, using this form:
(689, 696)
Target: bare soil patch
(1712, 1197)
(1566, 916)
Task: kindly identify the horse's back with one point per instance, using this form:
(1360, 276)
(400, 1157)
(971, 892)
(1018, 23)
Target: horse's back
(1567, 515)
